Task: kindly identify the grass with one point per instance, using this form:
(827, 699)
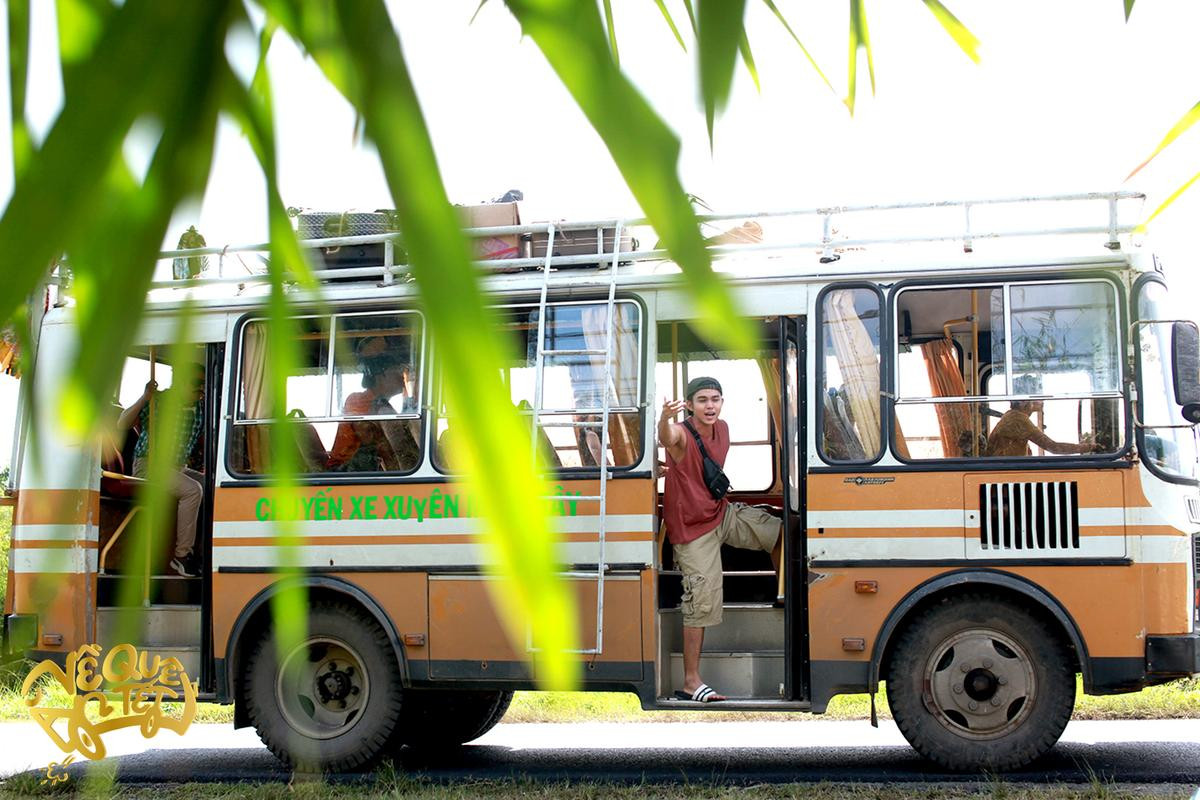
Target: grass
(1177, 700)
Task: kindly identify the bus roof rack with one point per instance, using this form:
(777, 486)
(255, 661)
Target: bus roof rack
(825, 231)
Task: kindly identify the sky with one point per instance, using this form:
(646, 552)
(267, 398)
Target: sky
(1067, 97)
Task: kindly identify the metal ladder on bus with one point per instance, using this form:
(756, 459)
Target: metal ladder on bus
(604, 411)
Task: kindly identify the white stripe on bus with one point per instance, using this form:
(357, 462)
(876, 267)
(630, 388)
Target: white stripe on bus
(401, 555)
(938, 518)
(55, 533)
(53, 559)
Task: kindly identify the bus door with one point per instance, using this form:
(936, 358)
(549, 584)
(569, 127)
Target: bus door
(793, 406)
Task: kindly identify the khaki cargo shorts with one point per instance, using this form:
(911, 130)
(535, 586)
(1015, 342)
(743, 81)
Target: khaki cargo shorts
(700, 560)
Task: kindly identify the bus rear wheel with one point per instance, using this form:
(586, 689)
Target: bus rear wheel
(980, 683)
(448, 718)
(331, 702)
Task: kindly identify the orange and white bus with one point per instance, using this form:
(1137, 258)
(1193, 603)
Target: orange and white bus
(932, 541)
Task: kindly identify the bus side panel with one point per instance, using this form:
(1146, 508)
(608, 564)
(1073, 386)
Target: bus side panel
(879, 531)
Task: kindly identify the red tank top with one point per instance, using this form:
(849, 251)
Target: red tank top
(689, 509)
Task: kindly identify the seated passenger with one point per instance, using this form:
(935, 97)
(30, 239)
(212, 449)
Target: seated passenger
(1015, 430)
(188, 483)
(377, 445)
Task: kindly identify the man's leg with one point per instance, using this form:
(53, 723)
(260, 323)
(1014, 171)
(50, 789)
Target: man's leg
(700, 562)
(693, 643)
(191, 494)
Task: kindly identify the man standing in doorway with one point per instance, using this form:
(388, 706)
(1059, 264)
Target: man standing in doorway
(698, 524)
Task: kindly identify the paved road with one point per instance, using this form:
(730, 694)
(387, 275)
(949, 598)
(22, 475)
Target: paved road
(734, 752)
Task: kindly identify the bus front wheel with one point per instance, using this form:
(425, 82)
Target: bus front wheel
(447, 718)
(978, 683)
(330, 702)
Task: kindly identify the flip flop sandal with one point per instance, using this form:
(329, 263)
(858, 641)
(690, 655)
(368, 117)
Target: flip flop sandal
(703, 694)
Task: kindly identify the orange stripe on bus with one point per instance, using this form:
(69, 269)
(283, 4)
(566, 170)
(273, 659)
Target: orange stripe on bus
(236, 504)
(57, 507)
(53, 544)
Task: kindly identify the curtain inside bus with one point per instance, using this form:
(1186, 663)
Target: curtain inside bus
(854, 412)
(945, 378)
(254, 396)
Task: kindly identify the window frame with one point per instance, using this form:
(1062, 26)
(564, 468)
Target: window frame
(435, 389)
(1006, 281)
(885, 382)
(234, 411)
(1136, 292)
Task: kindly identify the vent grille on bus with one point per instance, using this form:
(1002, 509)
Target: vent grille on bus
(1029, 516)
(1193, 507)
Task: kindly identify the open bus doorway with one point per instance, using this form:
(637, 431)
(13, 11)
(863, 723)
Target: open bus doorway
(152, 588)
(756, 654)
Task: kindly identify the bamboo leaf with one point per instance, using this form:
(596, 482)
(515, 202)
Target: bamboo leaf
(722, 23)
(859, 38)
(812, 62)
(1166, 203)
(662, 8)
(959, 32)
(643, 147)
(748, 60)
(18, 77)
(80, 26)
(691, 12)
(478, 8)
(612, 31)
(123, 80)
(1186, 121)
(493, 445)
(1128, 8)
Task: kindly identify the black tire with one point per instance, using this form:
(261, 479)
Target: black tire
(979, 683)
(332, 703)
(448, 718)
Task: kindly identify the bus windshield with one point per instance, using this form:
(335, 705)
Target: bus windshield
(1166, 444)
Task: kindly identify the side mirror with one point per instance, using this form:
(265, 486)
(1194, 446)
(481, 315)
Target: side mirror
(1185, 368)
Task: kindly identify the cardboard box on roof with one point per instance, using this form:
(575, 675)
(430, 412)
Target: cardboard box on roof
(493, 215)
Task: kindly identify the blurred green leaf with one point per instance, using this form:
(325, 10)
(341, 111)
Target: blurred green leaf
(662, 8)
(1128, 8)
(722, 25)
(691, 13)
(748, 59)
(492, 443)
(1186, 121)
(859, 38)
(18, 76)
(812, 62)
(612, 31)
(1166, 203)
(959, 32)
(58, 194)
(645, 150)
(80, 26)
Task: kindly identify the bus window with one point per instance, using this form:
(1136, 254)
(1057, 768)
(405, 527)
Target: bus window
(352, 399)
(850, 407)
(1061, 395)
(573, 385)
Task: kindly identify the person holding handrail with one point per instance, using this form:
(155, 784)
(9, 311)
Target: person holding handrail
(700, 519)
(188, 484)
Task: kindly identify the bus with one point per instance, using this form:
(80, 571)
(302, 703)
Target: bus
(974, 419)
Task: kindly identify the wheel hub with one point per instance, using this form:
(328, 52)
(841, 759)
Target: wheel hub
(980, 683)
(322, 687)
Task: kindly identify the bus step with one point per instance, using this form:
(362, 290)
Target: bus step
(126, 590)
(155, 627)
(733, 704)
(748, 675)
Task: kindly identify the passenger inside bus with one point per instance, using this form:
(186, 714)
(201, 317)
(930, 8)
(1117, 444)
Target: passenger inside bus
(188, 459)
(1016, 429)
(364, 445)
